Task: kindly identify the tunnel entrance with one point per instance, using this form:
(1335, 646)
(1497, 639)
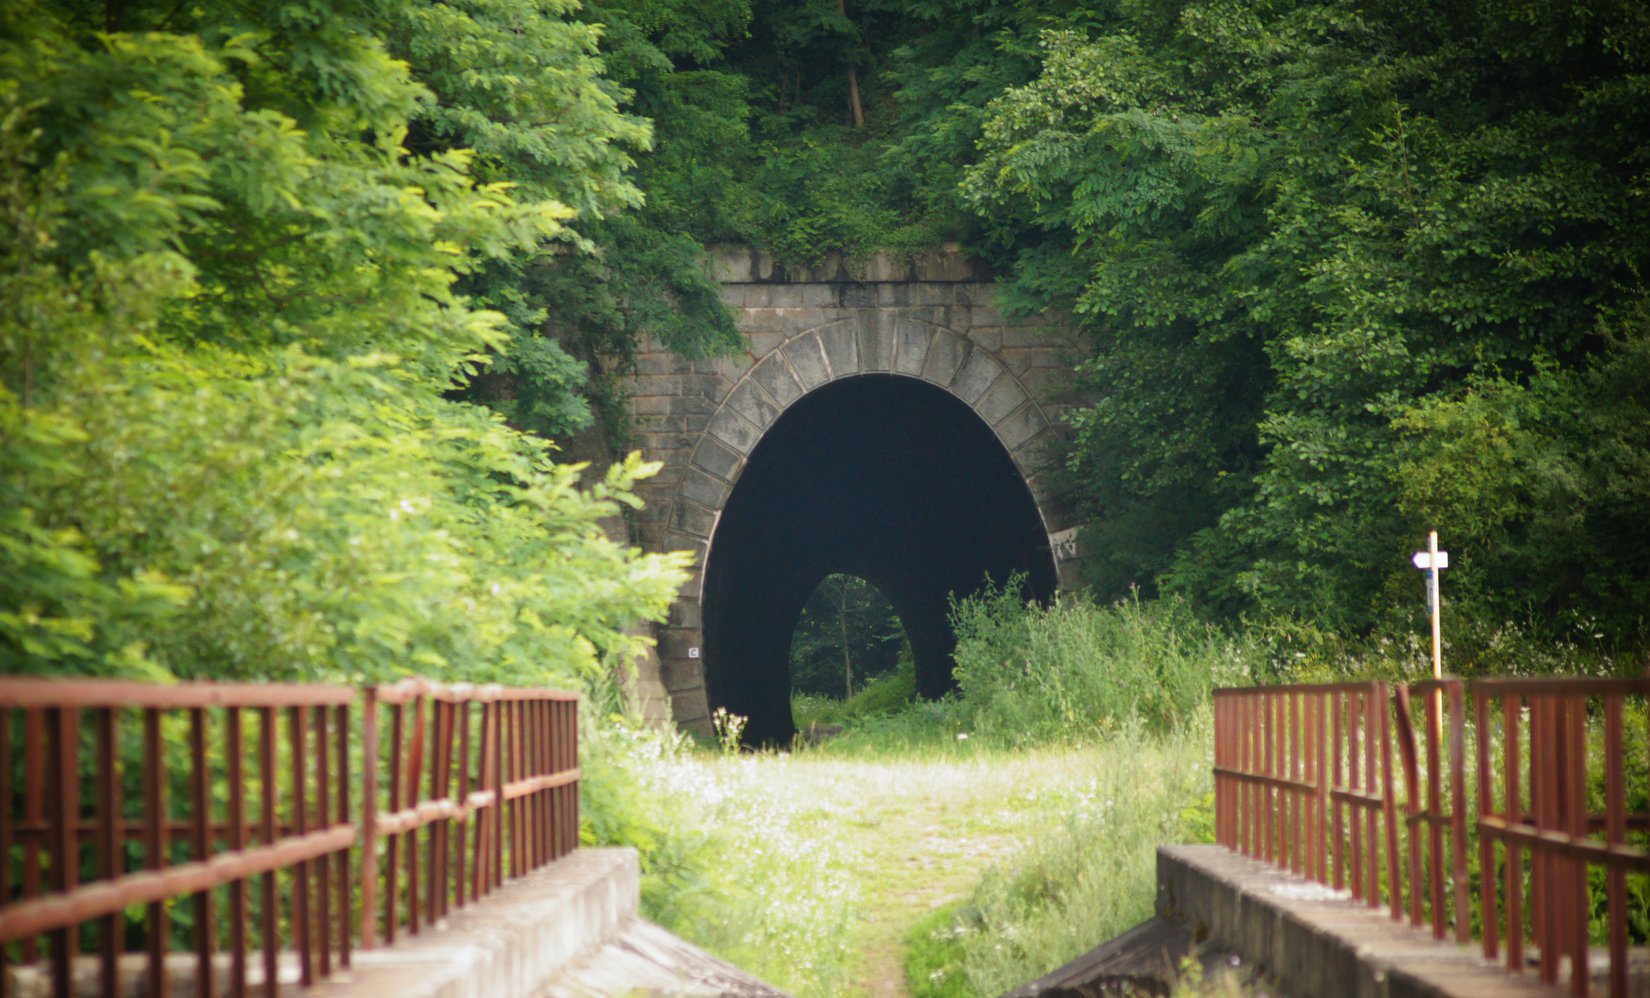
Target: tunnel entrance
(884, 477)
(846, 636)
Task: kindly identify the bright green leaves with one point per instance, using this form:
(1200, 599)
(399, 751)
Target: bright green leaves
(231, 319)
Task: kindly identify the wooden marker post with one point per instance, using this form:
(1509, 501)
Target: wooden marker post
(1431, 561)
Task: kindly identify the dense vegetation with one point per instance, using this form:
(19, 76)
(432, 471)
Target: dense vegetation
(1344, 272)
(231, 322)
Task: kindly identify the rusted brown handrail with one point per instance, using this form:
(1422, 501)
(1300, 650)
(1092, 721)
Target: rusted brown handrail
(504, 761)
(1277, 758)
(1303, 779)
(301, 827)
(243, 802)
(1543, 813)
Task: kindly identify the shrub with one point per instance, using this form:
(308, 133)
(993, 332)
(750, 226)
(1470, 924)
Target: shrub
(1078, 671)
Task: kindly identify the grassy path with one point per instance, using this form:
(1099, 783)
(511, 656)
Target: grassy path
(847, 854)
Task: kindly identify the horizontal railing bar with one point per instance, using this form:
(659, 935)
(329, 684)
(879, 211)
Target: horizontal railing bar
(405, 691)
(1347, 687)
(1358, 797)
(1632, 858)
(534, 784)
(133, 829)
(1266, 781)
(1570, 687)
(107, 897)
(427, 812)
(92, 694)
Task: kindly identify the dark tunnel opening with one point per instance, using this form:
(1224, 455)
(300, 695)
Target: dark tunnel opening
(884, 477)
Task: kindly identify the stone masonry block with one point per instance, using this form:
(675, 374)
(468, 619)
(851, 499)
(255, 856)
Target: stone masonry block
(876, 341)
(987, 338)
(650, 405)
(1029, 335)
(692, 518)
(946, 262)
(725, 371)
(945, 355)
(716, 459)
(691, 405)
(880, 267)
(674, 642)
(817, 295)
(763, 343)
(841, 348)
(1001, 399)
(685, 613)
(1021, 426)
(661, 363)
(734, 430)
(691, 710)
(791, 321)
(749, 400)
(893, 295)
(931, 295)
(791, 296)
(912, 346)
(682, 674)
(705, 490)
(776, 379)
(855, 295)
(675, 540)
(978, 373)
(807, 360)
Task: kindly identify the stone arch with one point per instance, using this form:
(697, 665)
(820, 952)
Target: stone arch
(844, 348)
(863, 343)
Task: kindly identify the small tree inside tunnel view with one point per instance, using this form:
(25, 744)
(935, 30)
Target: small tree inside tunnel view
(847, 635)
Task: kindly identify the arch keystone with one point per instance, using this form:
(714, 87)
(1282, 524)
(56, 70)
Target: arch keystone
(876, 341)
(912, 342)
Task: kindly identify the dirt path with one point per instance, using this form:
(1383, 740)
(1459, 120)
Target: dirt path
(898, 838)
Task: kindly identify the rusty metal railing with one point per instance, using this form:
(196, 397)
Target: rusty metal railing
(1544, 814)
(503, 761)
(1303, 780)
(218, 819)
(1552, 773)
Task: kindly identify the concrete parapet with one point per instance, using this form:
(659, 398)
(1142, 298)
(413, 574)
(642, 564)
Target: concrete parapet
(1314, 942)
(514, 942)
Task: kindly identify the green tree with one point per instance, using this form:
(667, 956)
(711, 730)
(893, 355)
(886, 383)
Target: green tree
(846, 635)
(1295, 235)
(230, 322)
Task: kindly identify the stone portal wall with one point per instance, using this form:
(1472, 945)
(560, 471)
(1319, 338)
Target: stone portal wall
(931, 317)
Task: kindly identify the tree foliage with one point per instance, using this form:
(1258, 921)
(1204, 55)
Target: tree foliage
(847, 634)
(232, 314)
(1350, 272)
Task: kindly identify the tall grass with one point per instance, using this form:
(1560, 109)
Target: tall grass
(1086, 877)
(1078, 672)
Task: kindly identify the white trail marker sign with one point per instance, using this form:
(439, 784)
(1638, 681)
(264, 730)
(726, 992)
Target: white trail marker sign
(1432, 561)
